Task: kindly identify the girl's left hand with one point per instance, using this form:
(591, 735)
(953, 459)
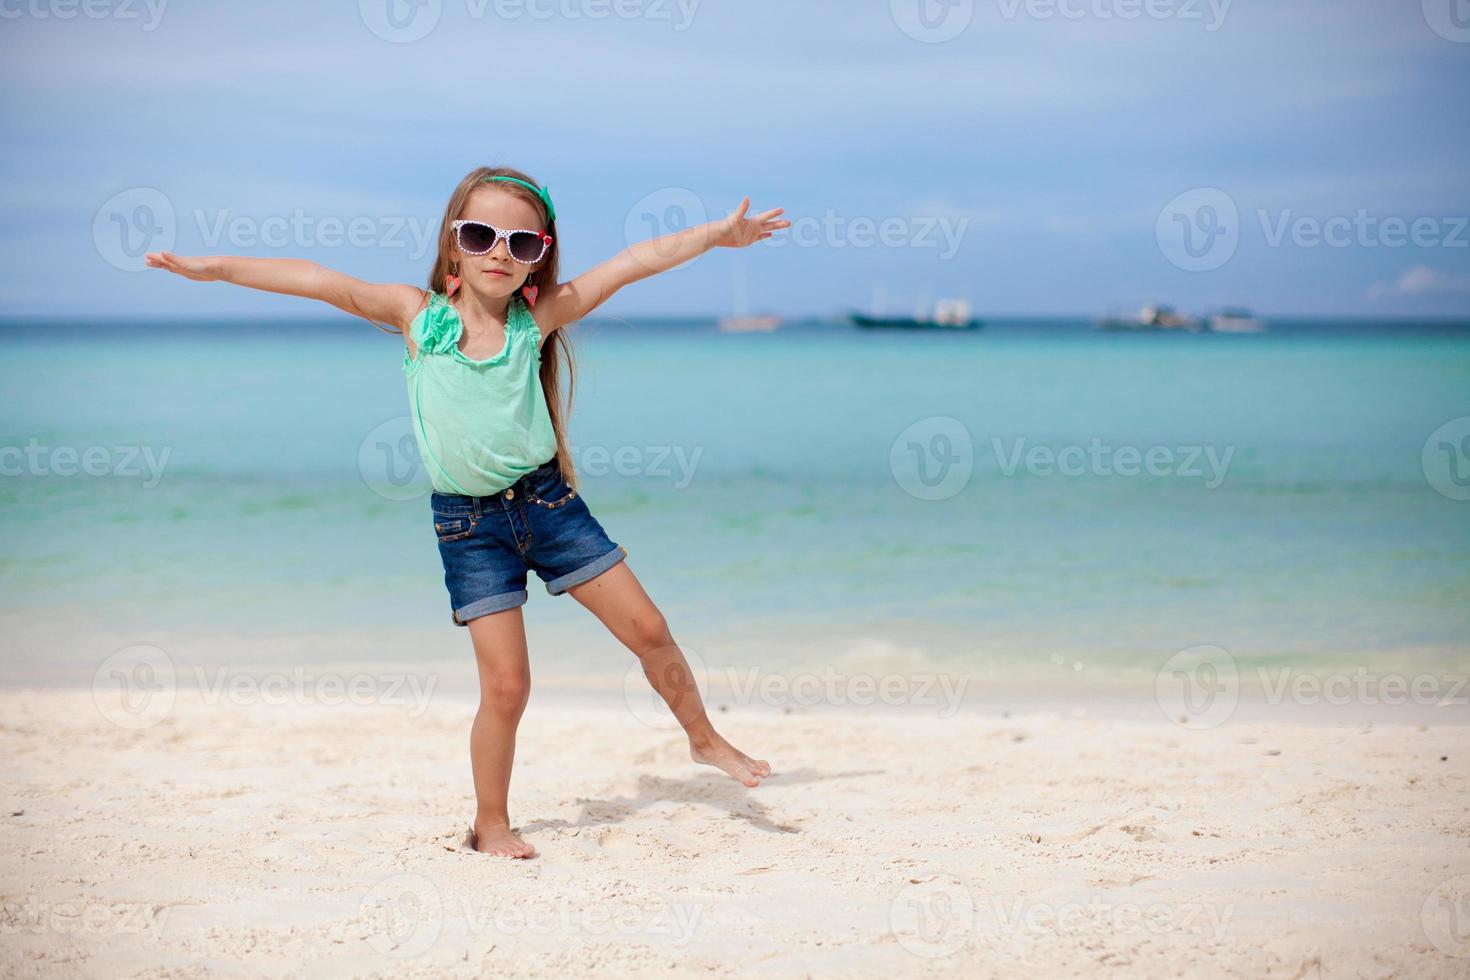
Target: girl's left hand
(737, 231)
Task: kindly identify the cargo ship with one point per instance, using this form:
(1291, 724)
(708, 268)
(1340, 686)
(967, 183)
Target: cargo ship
(947, 314)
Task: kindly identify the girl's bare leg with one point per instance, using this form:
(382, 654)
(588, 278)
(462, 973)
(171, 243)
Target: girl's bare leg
(505, 685)
(617, 598)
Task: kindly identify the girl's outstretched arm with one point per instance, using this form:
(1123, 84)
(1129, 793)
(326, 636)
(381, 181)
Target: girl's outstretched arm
(390, 303)
(569, 301)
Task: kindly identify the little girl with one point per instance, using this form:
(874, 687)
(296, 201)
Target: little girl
(489, 421)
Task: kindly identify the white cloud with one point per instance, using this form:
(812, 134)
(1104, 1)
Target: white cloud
(1419, 281)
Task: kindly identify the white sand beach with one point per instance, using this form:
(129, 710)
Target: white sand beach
(329, 840)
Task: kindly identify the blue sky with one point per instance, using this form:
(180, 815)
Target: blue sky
(1051, 156)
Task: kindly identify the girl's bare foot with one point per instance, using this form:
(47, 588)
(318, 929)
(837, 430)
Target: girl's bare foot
(497, 838)
(715, 751)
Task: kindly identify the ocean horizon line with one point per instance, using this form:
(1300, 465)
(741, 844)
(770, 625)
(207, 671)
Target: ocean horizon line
(840, 318)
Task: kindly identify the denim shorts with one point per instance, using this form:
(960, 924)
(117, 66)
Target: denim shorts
(538, 523)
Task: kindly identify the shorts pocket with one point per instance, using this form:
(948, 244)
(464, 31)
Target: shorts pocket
(452, 528)
(553, 492)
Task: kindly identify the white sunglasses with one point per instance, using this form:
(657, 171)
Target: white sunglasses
(477, 238)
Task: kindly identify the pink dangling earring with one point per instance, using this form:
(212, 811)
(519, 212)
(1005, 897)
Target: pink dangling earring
(529, 291)
(451, 283)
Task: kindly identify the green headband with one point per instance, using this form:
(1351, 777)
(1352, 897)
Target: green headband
(540, 192)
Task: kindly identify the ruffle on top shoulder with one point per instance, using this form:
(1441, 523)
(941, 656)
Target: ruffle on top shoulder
(522, 313)
(531, 327)
(441, 326)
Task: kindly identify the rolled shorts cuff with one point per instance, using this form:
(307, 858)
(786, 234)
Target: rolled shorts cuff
(488, 605)
(588, 571)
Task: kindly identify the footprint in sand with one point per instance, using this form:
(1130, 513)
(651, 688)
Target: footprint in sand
(619, 844)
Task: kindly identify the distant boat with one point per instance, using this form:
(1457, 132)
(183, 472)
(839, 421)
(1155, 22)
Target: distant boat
(1158, 317)
(1236, 320)
(750, 324)
(742, 321)
(947, 314)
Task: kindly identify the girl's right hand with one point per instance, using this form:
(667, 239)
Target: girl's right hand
(190, 267)
(392, 303)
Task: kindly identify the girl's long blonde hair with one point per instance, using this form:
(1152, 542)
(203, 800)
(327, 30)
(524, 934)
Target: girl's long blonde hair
(544, 276)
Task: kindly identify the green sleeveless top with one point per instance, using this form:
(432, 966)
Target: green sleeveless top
(480, 425)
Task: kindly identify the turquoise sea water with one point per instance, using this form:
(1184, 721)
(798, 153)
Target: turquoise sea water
(756, 484)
